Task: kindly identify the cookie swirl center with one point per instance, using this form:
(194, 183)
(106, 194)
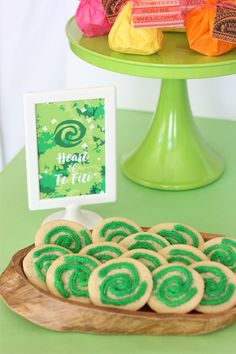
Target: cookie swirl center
(217, 289)
(67, 238)
(44, 259)
(116, 230)
(174, 286)
(71, 277)
(221, 253)
(176, 235)
(120, 284)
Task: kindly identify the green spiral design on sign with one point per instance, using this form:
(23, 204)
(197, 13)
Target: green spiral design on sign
(218, 289)
(69, 133)
(123, 287)
(174, 236)
(173, 285)
(104, 253)
(45, 257)
(224, 253)
(68, 238)
(71, 277)
(117, 229)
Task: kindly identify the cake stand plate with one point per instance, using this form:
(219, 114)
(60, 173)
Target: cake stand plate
(173, 155)
(54, 313)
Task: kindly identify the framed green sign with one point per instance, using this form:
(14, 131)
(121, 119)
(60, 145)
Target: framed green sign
(70, 147)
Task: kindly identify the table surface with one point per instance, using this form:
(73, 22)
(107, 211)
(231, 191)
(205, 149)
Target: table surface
(210, 209)
(174, 61)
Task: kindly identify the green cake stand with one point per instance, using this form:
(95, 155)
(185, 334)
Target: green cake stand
(173, 155)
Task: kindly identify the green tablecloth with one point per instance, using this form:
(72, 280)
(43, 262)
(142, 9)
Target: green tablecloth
(210, 209)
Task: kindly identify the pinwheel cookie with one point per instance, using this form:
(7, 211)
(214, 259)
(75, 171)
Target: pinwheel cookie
(65, 233)
(37, 262)
(176, 289)
(183, 254)
(178, 233)
(103, 251)
(220, 287)
(68, 277)
(145, 240)
(222, 250)
(122, 282)
(114, 229)
(150, 259)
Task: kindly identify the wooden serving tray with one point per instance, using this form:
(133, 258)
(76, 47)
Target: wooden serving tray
(57, 314)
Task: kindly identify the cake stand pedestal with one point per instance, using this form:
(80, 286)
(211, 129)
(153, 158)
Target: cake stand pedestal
(173, 155)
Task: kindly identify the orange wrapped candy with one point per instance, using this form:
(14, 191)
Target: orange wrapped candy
(199, 26)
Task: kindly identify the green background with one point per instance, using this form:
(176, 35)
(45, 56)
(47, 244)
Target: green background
(67, 131)
(210, 209)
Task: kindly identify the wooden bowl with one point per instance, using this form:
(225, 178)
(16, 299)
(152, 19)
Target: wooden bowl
(57, 314)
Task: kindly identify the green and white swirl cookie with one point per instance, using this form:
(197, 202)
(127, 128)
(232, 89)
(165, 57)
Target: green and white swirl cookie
(37, 262)
(103, 251)
(222, 250)
(150, 259)
(114, 229)
(178, 233)
(183, 254)
(65, 233)
(176, 289)
(220, 287)
(145, 240)
(122, 282)
(68, 277)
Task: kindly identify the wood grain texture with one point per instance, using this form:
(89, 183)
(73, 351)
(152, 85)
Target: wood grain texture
(57, 314)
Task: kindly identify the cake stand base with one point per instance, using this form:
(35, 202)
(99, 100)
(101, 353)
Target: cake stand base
(173, 154)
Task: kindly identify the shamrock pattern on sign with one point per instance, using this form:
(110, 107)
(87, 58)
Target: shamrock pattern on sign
(71, 148)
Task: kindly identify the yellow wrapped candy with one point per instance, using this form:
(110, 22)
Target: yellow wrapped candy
(124, 38)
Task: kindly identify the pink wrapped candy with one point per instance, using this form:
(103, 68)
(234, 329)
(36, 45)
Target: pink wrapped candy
(91, 18)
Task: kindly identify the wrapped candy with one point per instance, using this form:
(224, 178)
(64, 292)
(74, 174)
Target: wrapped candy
(124, 38)
(199, 25)
(91, 18)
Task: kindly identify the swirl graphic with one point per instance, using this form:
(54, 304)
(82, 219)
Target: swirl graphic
(183, 254)
(178, 233)
(117, 230)
(68, 277)
(122, 282)
(150, 259)
(220, 287)
(69, 133)
(66, 237)
(176, 289)
(222, 250)
(103, 251)
(145, 240)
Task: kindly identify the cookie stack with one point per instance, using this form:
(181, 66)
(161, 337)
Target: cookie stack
(168, 267)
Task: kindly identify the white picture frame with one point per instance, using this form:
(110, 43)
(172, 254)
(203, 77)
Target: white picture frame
(34, 103)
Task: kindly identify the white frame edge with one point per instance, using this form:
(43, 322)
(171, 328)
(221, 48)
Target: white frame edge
(30, 100)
